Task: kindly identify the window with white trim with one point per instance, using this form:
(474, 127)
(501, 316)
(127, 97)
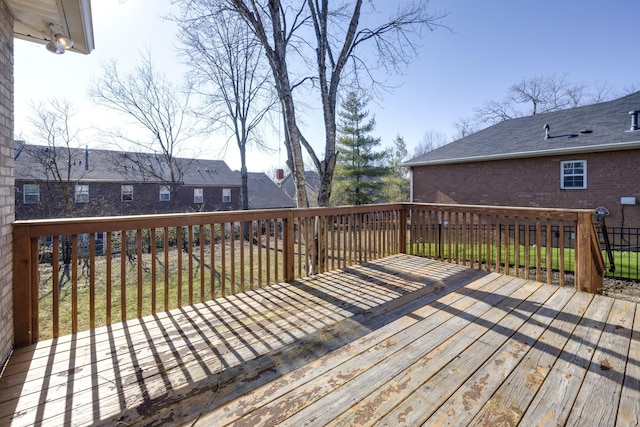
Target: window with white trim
(198, 195)
(573, 175)
(226, 195)
(165, 194)
(126, 192)
(82, 193)
(31, 194)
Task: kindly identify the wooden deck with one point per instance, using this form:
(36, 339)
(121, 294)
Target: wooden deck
(399, 341)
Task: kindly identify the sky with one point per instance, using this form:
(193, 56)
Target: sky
(489, 46)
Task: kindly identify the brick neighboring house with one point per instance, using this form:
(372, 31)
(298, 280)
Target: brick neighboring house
(105, 183)
(583, 157)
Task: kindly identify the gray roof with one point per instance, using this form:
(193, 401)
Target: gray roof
(265, 194)
(311, 180)
(598, 127)
(117, 166)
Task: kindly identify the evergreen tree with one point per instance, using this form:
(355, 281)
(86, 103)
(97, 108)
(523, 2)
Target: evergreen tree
(359, 169)
(396, 183)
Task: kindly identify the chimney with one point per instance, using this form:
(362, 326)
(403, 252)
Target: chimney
(634, 120)
(86, 157)
(546, 132)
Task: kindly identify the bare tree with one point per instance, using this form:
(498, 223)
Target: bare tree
(227, 63)
(283, 28)
(464, 126)
(159, 108)
(57, 163)
(430, 140)
(534, 96)
(57, 166)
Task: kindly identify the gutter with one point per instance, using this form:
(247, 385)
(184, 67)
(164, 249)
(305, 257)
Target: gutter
(525, 154)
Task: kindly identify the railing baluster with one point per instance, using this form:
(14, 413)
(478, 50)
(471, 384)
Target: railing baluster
(123, 275)
(154, 269)
(55, 273)
(561, 249)
(139, 265)
(549, 261)
(166, 267)
(232, 256)
(212, 260)
(241, 244)
(108, 290)
(527, 249)
(190, 262)
(179, 249)
(538, 249)
(516, 245)
(92, 280)
(74, 283)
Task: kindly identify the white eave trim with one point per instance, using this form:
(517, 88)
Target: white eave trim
(525, 154)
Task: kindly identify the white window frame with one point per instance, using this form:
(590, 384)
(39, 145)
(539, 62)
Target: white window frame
(198, 195)
(564, 175)
(31, 194)
(165, 193)
(81, 193)
(226, 195)
(126, 193)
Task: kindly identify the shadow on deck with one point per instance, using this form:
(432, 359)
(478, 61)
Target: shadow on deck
(399, 341)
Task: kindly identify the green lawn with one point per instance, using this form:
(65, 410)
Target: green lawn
(626, 263)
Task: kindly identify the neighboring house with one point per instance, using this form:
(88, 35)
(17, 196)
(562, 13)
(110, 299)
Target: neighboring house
(265, 194)
(585, 157)
(312, 182)
(79, 182)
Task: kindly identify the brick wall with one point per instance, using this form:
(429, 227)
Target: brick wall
(6, 181)
(535, 182)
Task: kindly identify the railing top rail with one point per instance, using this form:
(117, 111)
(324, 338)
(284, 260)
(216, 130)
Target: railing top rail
(62, 226)
(557, 213)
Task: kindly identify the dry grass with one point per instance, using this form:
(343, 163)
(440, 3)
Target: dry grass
(188, 280)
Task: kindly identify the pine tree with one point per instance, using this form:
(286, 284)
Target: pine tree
(396, 183)
(359, 169)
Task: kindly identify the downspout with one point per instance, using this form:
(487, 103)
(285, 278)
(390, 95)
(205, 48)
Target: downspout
(411, 184)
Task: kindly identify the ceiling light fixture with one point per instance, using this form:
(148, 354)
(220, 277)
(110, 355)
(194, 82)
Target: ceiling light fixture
(59, 43)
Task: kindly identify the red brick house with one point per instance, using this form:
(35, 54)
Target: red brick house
(60, 182)
(583, 157)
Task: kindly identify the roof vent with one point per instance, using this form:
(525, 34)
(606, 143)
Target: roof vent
(634, 120)
(546, 132)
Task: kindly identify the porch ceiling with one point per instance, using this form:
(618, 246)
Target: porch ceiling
(72, 17)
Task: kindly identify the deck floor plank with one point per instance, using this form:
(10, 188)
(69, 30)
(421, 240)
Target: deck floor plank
(629, 411)
(453, 376)
(323, 397)
(606, 371)
(555, 398)
(401, 340)
(510, 401)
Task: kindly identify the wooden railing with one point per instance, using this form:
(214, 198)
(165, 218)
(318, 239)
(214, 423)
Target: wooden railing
(549, 245)
(77, 274)
(81, 273)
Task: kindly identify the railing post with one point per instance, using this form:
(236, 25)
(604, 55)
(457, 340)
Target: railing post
(402, 235)
(25, 298)
(584, 268)
(288, 246)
